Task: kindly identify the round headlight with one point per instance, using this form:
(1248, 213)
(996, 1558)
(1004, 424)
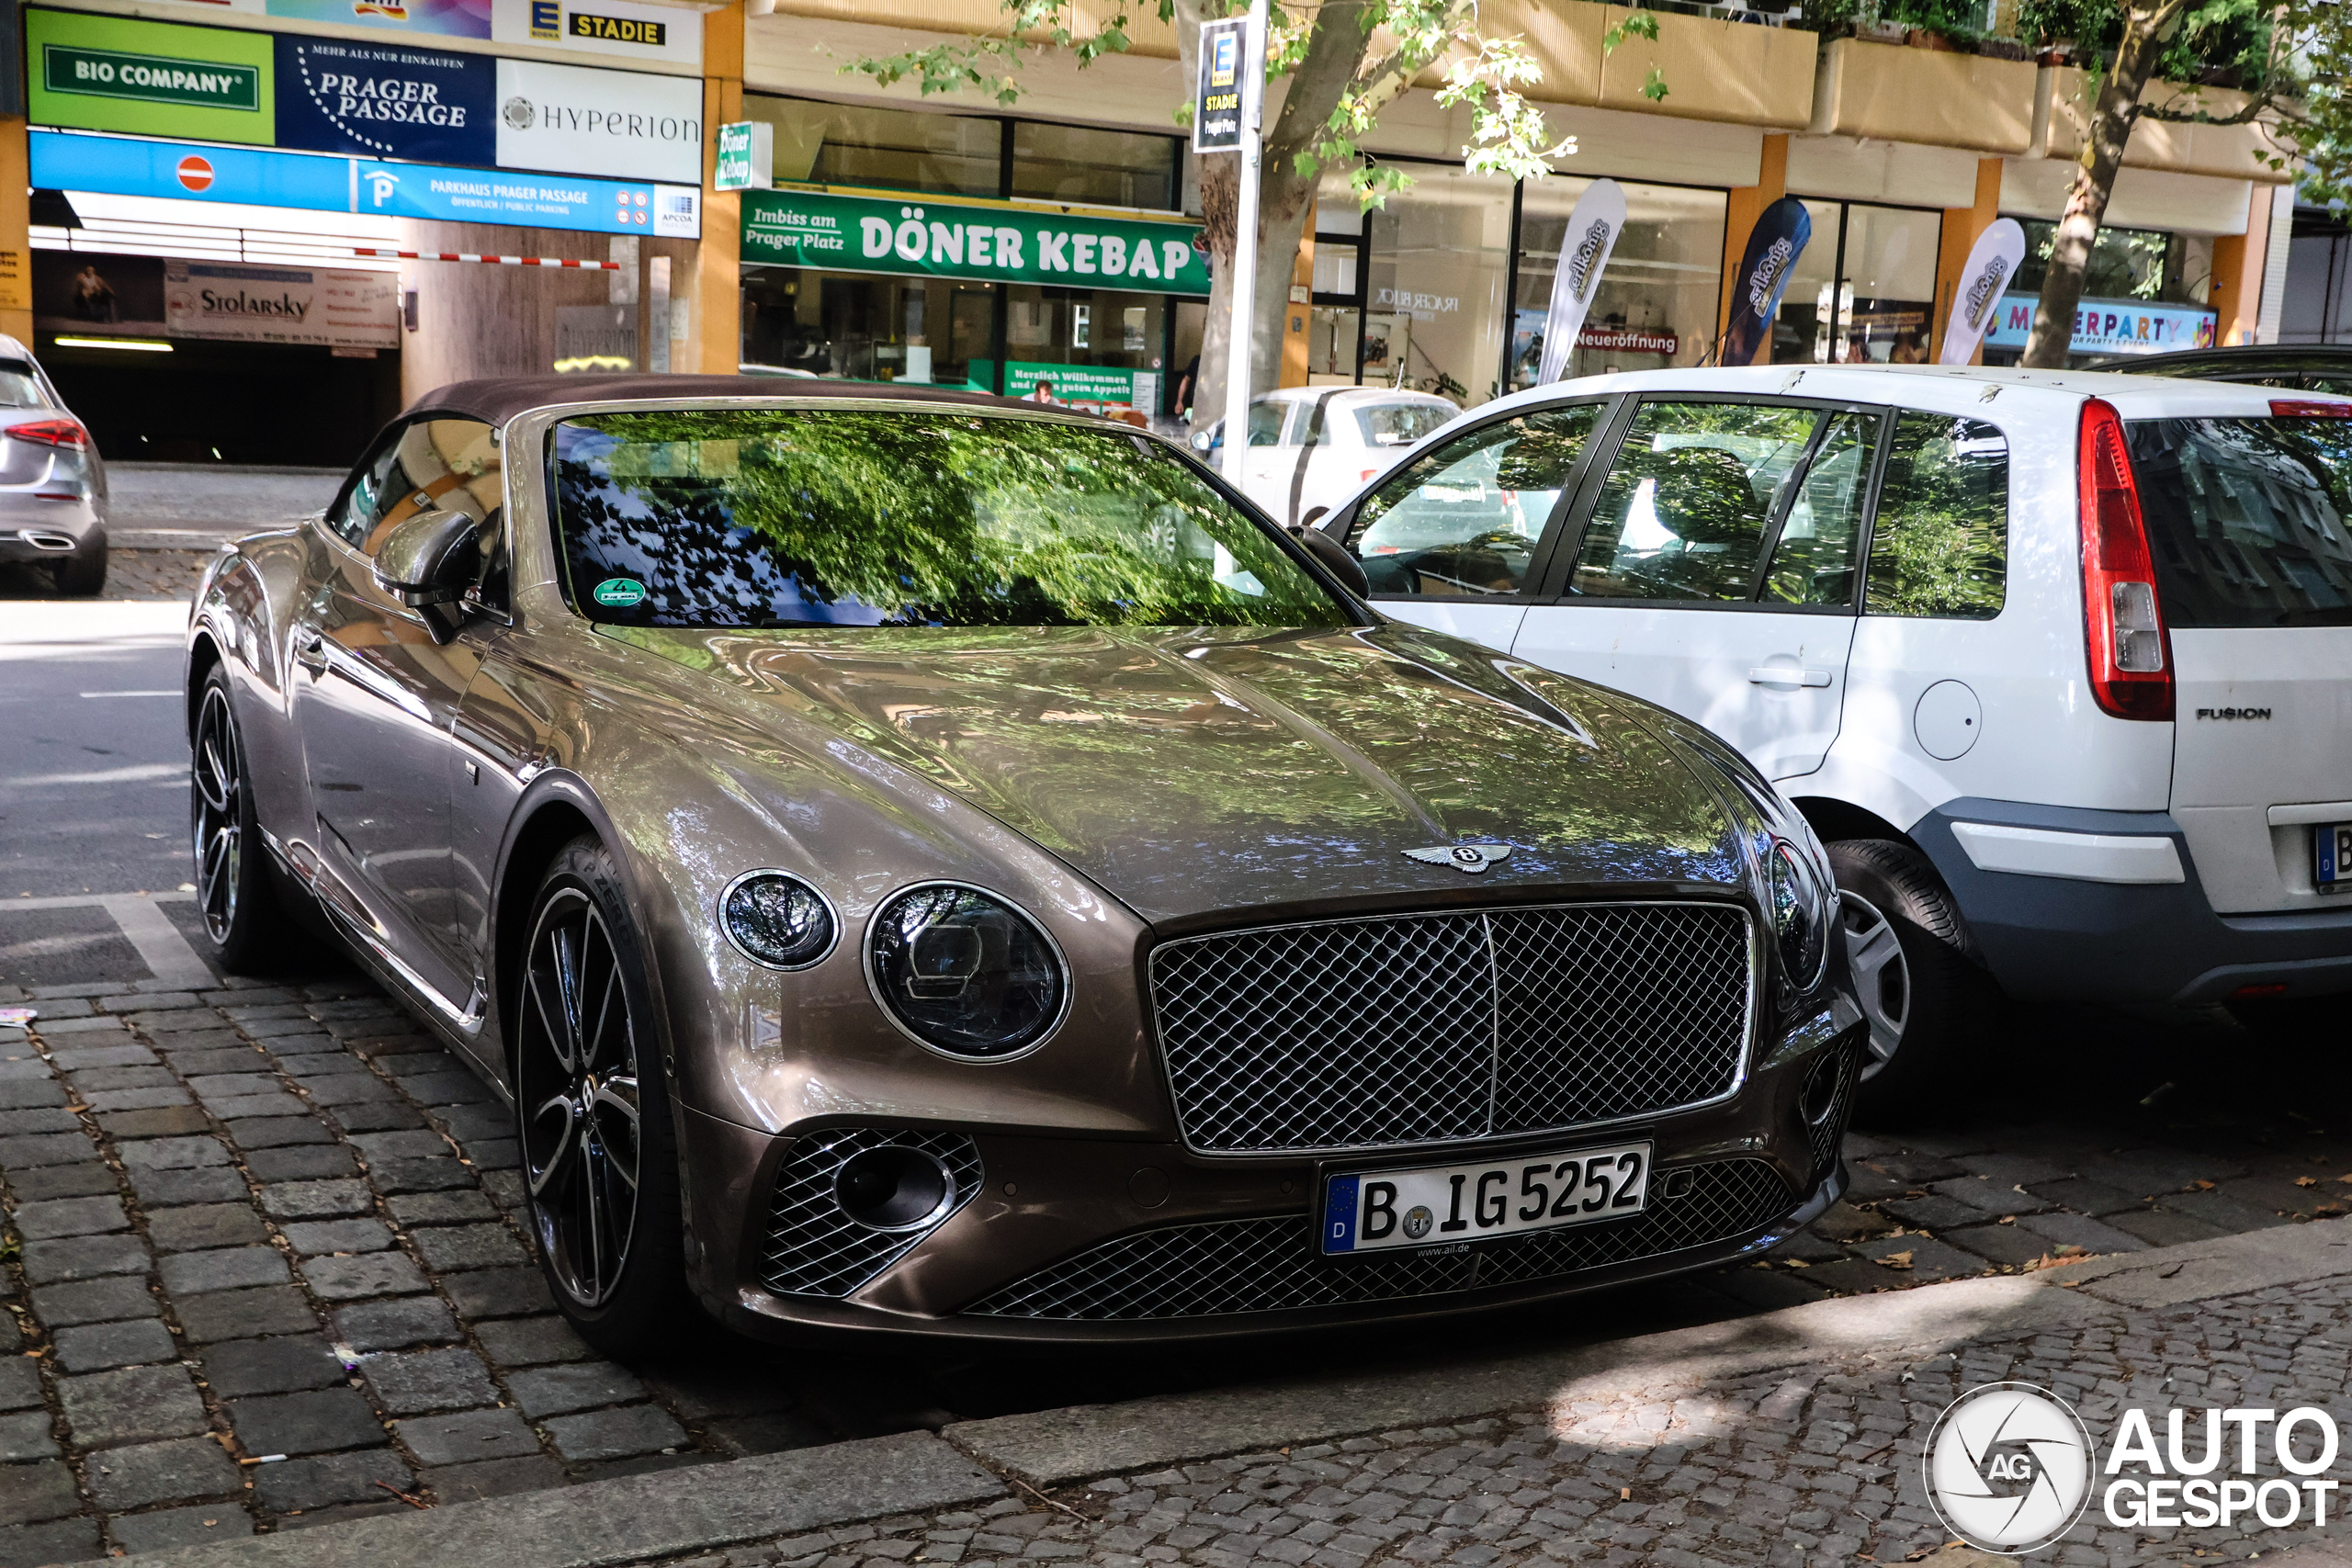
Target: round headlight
(965, 973)
(778, 920)
(1800, 914)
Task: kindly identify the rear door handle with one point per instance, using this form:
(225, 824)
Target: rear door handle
(1766, 675)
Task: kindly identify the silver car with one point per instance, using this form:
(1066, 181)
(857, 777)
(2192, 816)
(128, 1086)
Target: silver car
(53, 485)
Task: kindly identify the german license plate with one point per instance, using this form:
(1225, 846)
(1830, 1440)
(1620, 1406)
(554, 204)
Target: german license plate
(1379, 1211)
(2331, 856)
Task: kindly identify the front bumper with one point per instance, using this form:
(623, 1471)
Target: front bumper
(1080, 1240)
(2064, 939)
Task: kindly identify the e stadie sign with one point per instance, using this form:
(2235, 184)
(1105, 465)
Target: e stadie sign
(1216, 109)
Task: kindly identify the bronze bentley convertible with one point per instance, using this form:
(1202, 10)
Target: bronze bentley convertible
(915, 862)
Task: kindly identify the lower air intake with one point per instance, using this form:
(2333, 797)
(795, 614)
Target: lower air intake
(1231, 1266)
(814, 1247)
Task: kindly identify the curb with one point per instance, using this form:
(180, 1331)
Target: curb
(635, 1518)
(705, 1507)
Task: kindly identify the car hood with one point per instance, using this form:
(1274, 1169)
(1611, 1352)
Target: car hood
(1189, 772)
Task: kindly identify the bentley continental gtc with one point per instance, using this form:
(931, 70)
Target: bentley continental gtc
(918, 862)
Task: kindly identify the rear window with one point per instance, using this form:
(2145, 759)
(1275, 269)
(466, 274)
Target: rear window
(20, 387)
(1399, 424)
(2247, 519)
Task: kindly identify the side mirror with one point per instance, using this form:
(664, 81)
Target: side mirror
(430, 559)
(1314, 515)
(1333, 557)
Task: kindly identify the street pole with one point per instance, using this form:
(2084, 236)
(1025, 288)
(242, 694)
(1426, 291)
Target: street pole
(1245, 247)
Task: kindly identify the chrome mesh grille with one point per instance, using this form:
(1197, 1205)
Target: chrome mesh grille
(1428, 1028)
(1267, 1265)
(814, 1249)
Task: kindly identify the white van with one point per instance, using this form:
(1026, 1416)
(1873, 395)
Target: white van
(2058, 664)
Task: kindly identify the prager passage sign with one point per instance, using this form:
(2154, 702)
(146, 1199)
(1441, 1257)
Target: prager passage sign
(932, 239)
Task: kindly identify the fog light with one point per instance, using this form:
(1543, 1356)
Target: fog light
(894, 1189)
(1820, 1097)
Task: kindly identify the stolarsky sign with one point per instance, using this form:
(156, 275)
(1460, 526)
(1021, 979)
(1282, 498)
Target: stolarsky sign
(992, 244)
(279, 304)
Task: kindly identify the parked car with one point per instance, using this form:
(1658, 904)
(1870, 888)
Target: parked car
(998, 884)
(2055, 663)
(1310, 447)
(53, 485)
(2312, 368)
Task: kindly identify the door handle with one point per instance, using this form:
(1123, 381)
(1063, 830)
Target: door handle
(1765, 675)
(312, 654)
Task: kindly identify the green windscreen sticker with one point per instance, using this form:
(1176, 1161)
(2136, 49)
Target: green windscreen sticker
(619, 593)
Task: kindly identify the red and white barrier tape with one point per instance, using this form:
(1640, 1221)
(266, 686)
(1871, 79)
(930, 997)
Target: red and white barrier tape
(491, 261)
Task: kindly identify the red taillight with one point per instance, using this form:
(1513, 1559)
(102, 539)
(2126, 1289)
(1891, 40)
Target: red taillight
(52, 432)
(2131, 657)
(2305, 408)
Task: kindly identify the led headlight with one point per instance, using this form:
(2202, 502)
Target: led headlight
(1801, 913)
(965, 972)
(777, 921)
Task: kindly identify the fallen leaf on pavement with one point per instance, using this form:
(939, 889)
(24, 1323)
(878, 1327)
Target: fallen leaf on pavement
(1896, 1260)
(2203, 1186)
(2307, 1181)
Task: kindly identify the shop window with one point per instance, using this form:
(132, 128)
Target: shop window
(1939, 543)
(1099, 348)
(1433, 315)
(1655, 305)
(863, 328)
(1863, 291)
(1686, 505)
(1465, 521)
(1099, 168)
(836, 145)
(2146, 265)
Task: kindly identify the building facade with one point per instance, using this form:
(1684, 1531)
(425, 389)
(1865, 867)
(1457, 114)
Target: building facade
(1047, 248)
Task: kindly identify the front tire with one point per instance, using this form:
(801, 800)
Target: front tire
(600, 1162)
(246, 925)
(1924, 997)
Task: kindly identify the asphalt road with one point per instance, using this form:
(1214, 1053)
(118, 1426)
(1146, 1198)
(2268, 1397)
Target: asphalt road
(93, 749)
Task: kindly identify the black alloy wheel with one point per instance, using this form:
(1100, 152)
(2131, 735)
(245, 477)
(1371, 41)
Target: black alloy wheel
(247, 926)
(598, 1156)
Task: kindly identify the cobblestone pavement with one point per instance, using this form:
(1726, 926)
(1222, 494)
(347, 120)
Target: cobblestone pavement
(265, 1270)
(1821, 1467)
(131, 574)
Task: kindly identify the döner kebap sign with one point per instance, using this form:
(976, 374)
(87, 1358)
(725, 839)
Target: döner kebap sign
(932, 238)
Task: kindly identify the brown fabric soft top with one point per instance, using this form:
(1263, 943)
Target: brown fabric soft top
(501, 399)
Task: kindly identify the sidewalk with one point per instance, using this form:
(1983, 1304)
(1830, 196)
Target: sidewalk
(1786, 1438)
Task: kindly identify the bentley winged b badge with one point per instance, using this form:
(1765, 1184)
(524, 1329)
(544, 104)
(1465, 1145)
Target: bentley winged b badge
(1470, 858)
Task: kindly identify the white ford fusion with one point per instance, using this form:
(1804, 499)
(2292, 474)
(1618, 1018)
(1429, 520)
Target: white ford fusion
(2059, 665)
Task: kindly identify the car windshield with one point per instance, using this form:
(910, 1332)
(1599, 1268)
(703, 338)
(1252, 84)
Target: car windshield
(775, 517)
(2250, 519)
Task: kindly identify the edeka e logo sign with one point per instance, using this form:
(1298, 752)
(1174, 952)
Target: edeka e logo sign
(932, 238)
(386, 100)
(95, 72)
